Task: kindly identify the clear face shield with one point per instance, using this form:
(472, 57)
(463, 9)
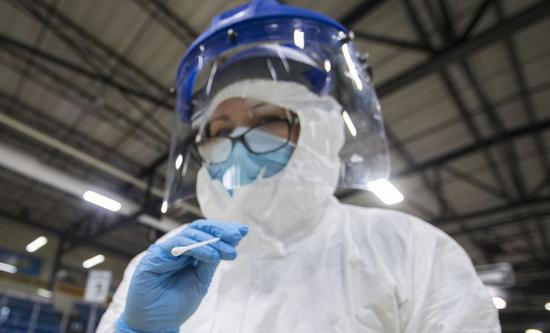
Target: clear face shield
(239, 134)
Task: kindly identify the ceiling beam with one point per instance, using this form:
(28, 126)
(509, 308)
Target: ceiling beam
(27, 221)
(168, 19)
(475, 147)
(461, 49)
(499, 222)
(79, 39)
(485, 212)
(395, 42)
(9, 42)
(359, 12)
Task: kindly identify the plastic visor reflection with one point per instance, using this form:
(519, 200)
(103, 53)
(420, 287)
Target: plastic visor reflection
(299, 38)
(349, 123)
(327, 65)
(179, 161)
(353, 73)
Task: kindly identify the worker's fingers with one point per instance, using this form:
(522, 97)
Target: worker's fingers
(204, 272)
(229, 232)
(226, 251)
(160, 260)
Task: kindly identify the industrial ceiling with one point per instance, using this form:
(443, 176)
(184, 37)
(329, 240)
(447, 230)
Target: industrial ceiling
(86, 100)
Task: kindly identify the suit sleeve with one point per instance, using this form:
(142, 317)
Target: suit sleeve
(445, 293)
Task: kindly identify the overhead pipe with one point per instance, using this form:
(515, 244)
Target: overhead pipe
(31, 167)
(88, 159)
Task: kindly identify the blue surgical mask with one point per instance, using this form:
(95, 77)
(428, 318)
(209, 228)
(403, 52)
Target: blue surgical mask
(243, 167)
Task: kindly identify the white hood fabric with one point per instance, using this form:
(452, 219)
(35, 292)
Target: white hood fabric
(286, 202)
(312, 264)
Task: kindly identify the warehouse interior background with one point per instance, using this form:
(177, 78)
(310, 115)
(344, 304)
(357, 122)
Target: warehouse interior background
(86, 105)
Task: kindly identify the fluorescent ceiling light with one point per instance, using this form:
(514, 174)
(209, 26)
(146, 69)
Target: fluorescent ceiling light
(547, 306)
(44, 292)
(93, 261)
(36, 244)
(102, 201)
(349, 123)
(299, 38)
(179, 161)
(385, 191)
(499, 302)
(7, 268)
(532, 330)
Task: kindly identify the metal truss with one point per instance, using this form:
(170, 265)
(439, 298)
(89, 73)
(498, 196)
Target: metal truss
(168, 19)
(95, 51)
(51, 80)
(463, 48)
(26, 111)
(104, 61)
(448, 157)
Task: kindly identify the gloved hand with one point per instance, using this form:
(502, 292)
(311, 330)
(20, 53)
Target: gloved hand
(166, 290)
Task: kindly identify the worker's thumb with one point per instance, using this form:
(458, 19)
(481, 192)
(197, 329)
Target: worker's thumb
(205, 272)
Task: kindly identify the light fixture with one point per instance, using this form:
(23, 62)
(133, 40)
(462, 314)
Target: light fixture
(547, 306)
(8, 268)
(179, 161)
(349, 123)
(299, 38)
(164, 207)
(532, 330)
(93, 261)
(44, 292)
(353, 73)
(36, 244)
(499, 302)
(102, 201)
(385, 191)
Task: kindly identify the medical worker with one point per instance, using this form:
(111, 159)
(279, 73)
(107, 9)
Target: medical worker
(275, 110)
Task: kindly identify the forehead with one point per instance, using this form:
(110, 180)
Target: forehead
(239, 106)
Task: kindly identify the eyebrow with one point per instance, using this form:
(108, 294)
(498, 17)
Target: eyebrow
(259, 104)
(220, 117)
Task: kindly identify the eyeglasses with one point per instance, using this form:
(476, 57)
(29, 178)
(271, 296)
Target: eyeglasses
(268, 136)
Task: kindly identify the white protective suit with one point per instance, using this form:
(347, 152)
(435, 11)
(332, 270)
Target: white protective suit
(313, 264)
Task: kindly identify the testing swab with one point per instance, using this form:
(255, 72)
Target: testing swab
(179, 250)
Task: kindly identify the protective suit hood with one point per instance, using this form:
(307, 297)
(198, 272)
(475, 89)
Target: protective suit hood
(284, 202)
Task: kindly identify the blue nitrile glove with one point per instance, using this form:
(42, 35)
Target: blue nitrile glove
(166, 290)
